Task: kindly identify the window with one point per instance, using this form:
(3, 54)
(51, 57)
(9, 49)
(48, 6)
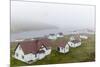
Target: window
(22, 57)
(62, 48)
(35, 55)
(17, 54)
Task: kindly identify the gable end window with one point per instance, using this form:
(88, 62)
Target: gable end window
(17, 54)
(35, 55)
(22, 57)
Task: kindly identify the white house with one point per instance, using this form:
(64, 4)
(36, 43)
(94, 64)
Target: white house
(72, 38)
(60, 35)
(52, 37)
(63, 46)
(31, 51)
(83, 37)
(75, 37)
(74, 43)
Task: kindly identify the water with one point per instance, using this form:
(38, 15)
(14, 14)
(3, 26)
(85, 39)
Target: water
(33, 34)
(41, 33)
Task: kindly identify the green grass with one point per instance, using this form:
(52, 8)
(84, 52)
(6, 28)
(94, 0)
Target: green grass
(84, 53)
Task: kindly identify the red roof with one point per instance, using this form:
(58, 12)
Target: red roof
(62, 43)
(34, 46)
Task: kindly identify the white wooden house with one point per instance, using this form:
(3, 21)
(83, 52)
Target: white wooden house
(63, 46)
(31, 51)
(60, 35)
(75, 37)
(72, 38)
(83, 37)
(74, 43)
(52, 37)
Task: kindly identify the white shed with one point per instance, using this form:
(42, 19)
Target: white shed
(31, 51)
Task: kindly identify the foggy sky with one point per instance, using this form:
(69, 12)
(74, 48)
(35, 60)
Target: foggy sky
(27, 16)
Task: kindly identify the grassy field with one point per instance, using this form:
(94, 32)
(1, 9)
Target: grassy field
(84, 53)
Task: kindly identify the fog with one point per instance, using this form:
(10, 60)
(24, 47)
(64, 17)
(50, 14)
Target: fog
(27, 16)
(36, 16)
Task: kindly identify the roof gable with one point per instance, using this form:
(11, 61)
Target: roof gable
(34, 46)
(62, 43)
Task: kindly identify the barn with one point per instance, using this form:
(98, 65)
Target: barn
(33, 50)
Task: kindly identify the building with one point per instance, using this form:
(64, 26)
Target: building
(60, 35)
(75, 37)
(63, 46)
(83, 37)
(74, 43)
(31, 51)
(52, 37)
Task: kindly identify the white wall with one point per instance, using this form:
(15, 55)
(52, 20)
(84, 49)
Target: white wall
(60, 35)
(30, 56)
(65, 49)
(71, 44)
(48, 52)
(20, 53)
(42, 55)
(72, 38)
(52, 37)
(83, 37)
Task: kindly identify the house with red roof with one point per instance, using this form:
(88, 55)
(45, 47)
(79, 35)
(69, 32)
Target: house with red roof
(30, 51)
(63, 46)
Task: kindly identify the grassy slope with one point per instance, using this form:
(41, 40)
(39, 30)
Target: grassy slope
(84, 53)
